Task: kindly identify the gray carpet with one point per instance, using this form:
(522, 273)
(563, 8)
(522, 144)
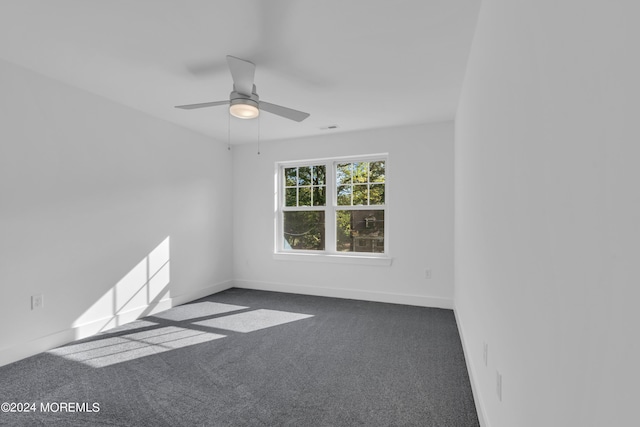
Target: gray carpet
(253, 358)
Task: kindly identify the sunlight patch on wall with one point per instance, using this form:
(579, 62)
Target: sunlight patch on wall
(158, 270)
(141, 288)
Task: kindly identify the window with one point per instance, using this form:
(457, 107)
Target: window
(332, 206)
(360, 193)
(303, 224)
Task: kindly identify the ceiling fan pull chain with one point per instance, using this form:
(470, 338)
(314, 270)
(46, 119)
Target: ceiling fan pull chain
(228, 130)
(258, 135)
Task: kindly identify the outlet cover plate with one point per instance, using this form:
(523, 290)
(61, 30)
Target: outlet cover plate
(37, 301)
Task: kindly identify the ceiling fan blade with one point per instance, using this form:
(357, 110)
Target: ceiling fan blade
(207, 68)
(203, 105)
(275, 20)
(243, 73)
(287, 113)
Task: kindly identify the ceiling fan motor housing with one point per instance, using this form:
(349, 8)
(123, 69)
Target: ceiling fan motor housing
(243, 106)
(238, 95)
(239, 98)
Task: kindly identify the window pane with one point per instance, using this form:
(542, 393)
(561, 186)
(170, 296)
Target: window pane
(319, 196)
(344, 195)
(343, 231)
(290, 175)
(304, 230)
(343, 174)
(360, 231)
(360, 172)
(304, 196)
(376, 172)
(304, 175)
(291, 197)
(360, 194)
(319, 175)
(376, 194)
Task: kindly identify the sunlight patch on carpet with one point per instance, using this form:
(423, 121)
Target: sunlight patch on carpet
(253, 320)
(109, 351)
(196, 310)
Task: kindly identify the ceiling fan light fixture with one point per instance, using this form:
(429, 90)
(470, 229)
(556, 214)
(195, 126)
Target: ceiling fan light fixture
(244, 109)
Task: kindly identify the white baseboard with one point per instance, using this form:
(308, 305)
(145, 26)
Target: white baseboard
(417, 300)
(39, 345)
(201, 293)
(56, 339)
(472, 375)
(101, 325)
(26, 349)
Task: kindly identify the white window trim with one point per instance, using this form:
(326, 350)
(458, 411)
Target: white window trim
(330, 208)
(333, 258)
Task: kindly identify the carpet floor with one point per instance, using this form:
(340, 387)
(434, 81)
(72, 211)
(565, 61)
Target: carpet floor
(253, 358)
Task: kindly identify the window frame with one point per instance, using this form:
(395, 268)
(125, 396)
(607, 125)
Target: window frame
(330, 209)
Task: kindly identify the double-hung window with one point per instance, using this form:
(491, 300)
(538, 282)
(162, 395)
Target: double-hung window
(332, 206)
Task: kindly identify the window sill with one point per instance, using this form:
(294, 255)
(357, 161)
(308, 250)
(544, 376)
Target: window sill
(333, 258)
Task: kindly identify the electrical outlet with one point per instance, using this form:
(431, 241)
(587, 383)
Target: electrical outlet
(37, 301)
(499, 385)
(485, 354)
(427, 273)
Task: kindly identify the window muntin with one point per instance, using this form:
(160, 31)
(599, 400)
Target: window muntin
(305, 185)
(360, 183)
(335, 206)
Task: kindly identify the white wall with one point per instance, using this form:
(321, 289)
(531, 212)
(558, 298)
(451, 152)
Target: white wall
(419, 218)
(107, 212)
(548, 212)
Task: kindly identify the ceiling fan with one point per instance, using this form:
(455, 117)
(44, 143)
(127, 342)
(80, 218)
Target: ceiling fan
(244, 102)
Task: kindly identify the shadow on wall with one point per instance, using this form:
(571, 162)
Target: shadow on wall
(136, 295)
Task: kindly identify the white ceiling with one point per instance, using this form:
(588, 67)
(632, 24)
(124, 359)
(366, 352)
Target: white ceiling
(358, 64)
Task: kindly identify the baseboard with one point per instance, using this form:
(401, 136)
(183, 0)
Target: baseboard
(39, 345)
(417, 300)
(101, 325)
(26, 349)
(201, 293)
(472, 374)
